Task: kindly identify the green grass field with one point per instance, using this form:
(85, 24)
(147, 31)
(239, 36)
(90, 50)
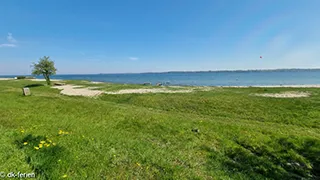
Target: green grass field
(152, 136)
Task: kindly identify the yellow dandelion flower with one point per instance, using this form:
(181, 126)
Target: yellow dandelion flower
(22, 131)
(46, 145)
(60, 132)
(42, 142)
(64, 176)
(36, 148)
(138, 164)
(25, 143)
(40, 145)
(54, 144)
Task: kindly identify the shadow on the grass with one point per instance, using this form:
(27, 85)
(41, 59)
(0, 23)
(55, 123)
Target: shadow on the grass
(33, 85)
(284, 158)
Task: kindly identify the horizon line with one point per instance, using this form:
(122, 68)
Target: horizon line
(186, 71)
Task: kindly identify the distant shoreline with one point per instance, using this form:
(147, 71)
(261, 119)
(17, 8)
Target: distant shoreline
(209, 71)
(206, 71)
(248, 70)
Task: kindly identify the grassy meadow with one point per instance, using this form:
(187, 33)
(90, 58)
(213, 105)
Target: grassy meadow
(224, 133)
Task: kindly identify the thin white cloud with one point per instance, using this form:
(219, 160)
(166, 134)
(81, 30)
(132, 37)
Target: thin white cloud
(133, 58)
(277, 45)
(12, 41)
(302, 56)
(7, 45)
(279, 42)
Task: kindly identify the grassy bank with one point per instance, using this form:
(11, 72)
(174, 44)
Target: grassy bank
(225, 133)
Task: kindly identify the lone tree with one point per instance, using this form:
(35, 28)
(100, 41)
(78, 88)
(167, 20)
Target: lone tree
(44, 67)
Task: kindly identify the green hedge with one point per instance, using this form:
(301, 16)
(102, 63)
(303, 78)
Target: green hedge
(25, 77)
(21, 77)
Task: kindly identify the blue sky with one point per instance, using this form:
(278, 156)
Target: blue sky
(118, 36)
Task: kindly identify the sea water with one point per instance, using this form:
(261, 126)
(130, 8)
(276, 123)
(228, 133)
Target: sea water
(216, 78)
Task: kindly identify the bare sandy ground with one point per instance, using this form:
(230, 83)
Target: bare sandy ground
(142, 91)
(5, 79)
(71, 90)
(53, 80)
(288, 94)
(94, 82)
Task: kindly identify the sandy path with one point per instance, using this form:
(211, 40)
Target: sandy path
(71, 90)
(288, 94)
(53, 80)
(5, 79)
(142, 91)
(94, 82)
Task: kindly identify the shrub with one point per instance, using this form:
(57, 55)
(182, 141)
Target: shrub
(30, 77)
(21, 77)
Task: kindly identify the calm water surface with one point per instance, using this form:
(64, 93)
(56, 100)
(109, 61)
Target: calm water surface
(224, 78)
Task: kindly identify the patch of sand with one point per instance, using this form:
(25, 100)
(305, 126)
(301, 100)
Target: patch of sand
(5, 79)
(71, 90)
(93, 88)
(94, 82)
(53, 80)
(288, 94)
(179, 87)
(142, 91)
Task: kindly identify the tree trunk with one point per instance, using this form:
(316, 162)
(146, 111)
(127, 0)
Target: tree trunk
(47, 79)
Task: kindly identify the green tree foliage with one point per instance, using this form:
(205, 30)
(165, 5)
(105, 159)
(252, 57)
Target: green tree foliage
(44, 67)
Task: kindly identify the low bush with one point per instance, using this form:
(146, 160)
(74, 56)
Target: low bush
(21, 77)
